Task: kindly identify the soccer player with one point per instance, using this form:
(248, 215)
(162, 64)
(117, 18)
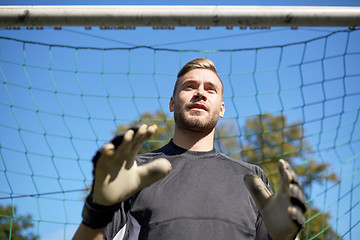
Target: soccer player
(187, 189)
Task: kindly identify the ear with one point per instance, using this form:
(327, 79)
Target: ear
(171, 104)
(222, 110)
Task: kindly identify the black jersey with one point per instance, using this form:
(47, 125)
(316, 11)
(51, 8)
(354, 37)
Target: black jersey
(203, 197)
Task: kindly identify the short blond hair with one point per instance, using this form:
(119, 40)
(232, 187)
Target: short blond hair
(199, 63)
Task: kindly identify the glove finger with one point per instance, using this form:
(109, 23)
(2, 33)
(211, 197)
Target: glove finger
(122, 152)
(286, 174)
(118, 139)
(105, 153)
(297, 215)
(153, 171)
(143, 134)
(297, 196)
(126, 141)
(107, 150)
(258, 190)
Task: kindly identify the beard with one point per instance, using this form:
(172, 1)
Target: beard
(195, 122)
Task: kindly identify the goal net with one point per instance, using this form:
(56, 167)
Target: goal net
(295, 98)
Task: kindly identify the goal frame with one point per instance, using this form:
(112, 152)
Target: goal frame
(178, 15)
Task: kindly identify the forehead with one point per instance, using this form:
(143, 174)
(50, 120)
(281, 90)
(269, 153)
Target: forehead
(201, 75)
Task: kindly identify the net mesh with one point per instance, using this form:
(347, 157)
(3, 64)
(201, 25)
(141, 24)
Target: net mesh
(60, 103)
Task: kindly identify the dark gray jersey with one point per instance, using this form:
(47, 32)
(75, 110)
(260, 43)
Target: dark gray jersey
(203, 197)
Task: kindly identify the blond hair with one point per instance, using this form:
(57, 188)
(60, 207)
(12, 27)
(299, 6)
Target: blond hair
(199, 63)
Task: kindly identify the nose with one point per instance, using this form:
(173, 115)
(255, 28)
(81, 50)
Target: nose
(200, 94)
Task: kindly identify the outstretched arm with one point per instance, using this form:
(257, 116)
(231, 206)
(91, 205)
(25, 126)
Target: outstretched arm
(283, 213)
(118, 177)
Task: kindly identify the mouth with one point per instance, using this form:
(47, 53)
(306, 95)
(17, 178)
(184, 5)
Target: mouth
(198, 106)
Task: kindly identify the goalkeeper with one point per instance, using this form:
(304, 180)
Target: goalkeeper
(187, 189)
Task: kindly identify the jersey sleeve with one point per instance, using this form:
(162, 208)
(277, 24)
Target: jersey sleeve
(117, 228)
(261, 231)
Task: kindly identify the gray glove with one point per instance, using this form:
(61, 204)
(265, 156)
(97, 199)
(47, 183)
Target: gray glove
(283, 213)
(118, 177)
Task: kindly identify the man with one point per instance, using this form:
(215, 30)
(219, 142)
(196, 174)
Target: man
(204, 196)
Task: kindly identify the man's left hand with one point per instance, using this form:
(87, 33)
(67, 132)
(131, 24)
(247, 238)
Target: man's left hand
(283, 213)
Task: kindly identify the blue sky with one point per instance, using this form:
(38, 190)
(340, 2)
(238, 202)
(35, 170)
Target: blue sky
(64, 144)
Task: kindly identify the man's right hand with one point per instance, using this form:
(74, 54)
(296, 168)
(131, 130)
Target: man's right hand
(118, 177)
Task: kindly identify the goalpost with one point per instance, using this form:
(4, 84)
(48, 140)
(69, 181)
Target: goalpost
(60, 102)
(178, 16)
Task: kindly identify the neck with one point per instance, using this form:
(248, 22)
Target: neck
(194, 141)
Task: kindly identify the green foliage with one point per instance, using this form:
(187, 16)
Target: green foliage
(317, 227)
(226, 140)
(161, 136)
(14, 227)
(270, 138)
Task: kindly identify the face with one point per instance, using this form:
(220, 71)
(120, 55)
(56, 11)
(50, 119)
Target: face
(197, 103)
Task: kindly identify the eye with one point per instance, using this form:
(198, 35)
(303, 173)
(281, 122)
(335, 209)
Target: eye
(189, 86)
(212, 90)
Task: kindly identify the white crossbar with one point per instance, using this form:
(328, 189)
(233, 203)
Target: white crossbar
(178, 16)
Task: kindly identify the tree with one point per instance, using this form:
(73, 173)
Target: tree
(318, 226)
(162, 135)
(267, 138)
(15, 228)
